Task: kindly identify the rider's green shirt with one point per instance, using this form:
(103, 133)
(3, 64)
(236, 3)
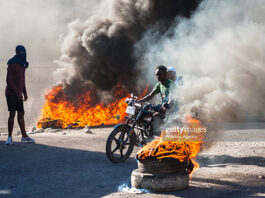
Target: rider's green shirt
(164, 90)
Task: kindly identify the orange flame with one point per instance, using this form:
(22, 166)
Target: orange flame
(59, 112)
(184, 146)
(65, 113)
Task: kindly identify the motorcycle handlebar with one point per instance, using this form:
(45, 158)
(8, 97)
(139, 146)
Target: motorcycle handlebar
(134, 101)
(137, 105)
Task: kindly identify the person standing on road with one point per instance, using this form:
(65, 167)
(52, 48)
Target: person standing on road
(16, 93)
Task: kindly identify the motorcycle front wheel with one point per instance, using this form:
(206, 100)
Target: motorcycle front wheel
(117, 149)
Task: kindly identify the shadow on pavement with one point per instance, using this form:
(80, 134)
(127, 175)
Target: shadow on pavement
(222, 189)
(211, 161)
(37, 170)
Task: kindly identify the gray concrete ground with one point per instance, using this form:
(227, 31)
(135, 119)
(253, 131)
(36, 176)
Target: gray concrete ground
(75, 165)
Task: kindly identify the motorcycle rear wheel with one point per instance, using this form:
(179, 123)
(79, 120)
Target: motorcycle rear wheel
(116, 149)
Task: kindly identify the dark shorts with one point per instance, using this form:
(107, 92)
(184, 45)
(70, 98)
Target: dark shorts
(14, 104)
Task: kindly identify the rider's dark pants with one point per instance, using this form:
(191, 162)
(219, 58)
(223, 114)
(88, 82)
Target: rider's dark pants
(156, 124)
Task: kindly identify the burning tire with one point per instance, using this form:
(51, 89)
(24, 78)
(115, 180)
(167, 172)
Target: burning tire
(159, 182)
(117, 149)
(165, 165)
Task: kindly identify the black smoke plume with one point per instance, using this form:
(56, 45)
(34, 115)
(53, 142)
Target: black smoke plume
(100, 51)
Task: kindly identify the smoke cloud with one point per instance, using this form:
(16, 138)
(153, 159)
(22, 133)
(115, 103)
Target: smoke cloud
(38, 25)
(220, 53)
(218, 48)
(99, 53)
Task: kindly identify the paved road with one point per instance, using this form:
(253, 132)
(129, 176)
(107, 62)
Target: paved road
(75, 165)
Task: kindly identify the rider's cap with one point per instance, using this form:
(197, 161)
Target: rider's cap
(172, 69)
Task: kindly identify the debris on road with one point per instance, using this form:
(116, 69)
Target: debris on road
(87, 130)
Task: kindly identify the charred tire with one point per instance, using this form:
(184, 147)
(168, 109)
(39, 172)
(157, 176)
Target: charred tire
(118, 135)
(166, 165)
(159, 182)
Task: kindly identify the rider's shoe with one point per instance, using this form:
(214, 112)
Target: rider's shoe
(143, 142)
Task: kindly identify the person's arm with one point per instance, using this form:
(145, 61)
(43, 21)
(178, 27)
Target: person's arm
(10, 80)
(148, 97)
(25, 93)
(155, 91)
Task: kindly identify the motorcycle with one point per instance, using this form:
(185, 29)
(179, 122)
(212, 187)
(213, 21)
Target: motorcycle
(136, 130)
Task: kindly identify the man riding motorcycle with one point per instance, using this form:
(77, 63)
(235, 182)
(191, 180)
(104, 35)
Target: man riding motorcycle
(163, 87)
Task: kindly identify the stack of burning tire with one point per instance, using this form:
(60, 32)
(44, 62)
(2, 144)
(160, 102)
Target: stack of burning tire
(167, 174)
(168, 162)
